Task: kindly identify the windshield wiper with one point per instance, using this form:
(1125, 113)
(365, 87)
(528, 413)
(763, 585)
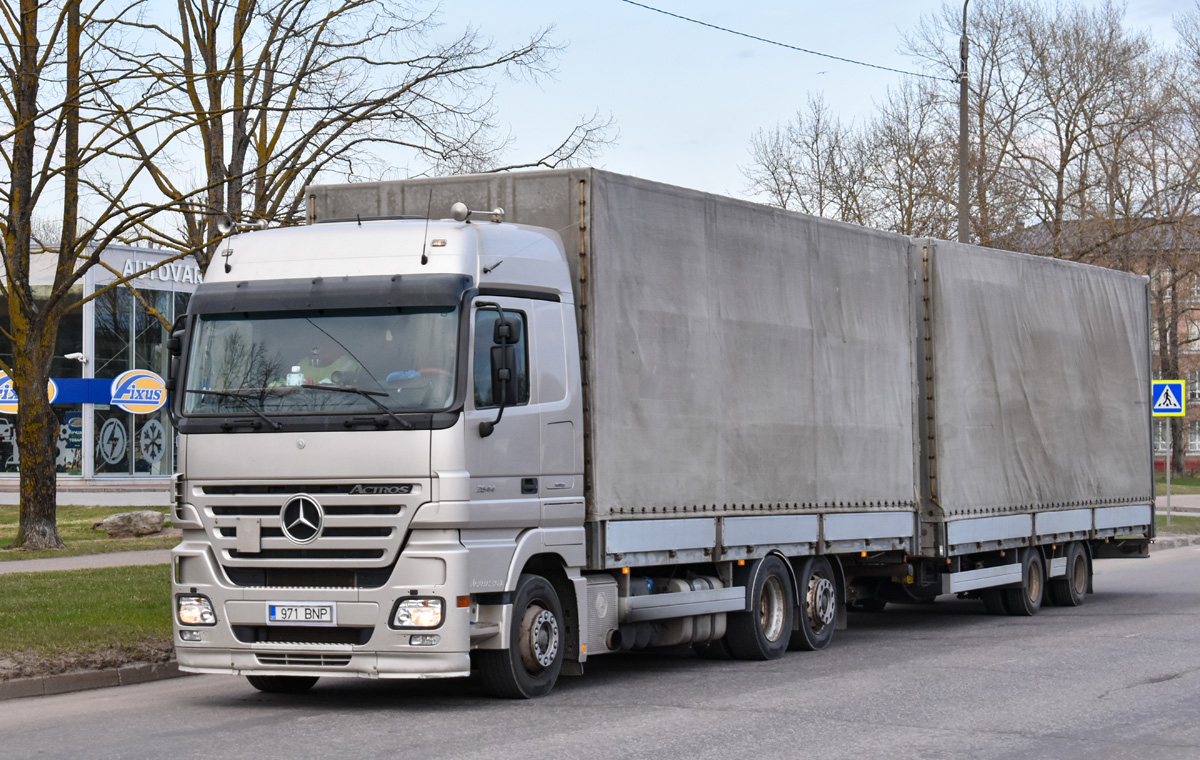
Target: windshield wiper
(368, 395)
(240, 396)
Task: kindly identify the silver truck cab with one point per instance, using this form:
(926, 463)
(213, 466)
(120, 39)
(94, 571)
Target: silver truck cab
(379, 426)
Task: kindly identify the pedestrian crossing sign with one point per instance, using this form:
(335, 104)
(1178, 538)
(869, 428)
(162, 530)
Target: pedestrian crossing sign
(1167, 398)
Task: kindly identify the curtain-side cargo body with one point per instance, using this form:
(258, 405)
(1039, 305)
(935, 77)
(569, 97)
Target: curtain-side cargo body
(418, 439)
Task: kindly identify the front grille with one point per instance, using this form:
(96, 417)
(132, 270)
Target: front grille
(332, 510)
(270, 554)
(304, 659)
(302, 577)
(296, 634)
(359, 531)
(294, 488)
(328, 532)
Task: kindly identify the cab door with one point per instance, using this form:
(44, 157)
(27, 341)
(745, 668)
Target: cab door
(505, 463)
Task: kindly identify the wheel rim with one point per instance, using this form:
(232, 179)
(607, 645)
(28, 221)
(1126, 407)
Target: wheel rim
(1079, 574)
(539, 638)
(1035, 581)
(772, 604)
(820, 602)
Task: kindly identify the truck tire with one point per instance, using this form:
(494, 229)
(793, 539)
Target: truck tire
(282, 684)
(993, 601)
(762, 632)
(1026, 599)
(1071, 590)
(530, 666)
(817, 613)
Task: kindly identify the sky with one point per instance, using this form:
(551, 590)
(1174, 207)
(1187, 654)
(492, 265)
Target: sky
(686, 99)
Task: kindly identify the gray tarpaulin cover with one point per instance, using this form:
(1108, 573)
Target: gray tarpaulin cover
(1041, 378)
(745, 356)
(740, 357)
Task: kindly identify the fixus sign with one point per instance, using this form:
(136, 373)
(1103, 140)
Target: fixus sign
(8, 394)
(139, 391)
(1167, 398)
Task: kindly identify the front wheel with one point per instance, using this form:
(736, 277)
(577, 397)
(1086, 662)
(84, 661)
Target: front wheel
(531, 664)
(282, 684)
(817, 614)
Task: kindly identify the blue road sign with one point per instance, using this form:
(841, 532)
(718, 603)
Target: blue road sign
(1167, 398)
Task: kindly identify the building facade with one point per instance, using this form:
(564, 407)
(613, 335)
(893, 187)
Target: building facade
(115, 329)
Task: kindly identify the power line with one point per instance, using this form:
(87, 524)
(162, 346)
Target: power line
(785, 45)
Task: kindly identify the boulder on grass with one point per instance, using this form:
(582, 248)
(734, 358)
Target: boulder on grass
(131, 524)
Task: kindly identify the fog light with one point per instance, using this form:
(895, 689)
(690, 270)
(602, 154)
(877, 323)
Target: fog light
(191, 636)
(424, 639)
(195, 610)
(417, 612)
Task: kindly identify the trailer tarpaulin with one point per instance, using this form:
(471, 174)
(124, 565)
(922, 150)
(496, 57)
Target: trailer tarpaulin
(1041, 383)
(743, 357)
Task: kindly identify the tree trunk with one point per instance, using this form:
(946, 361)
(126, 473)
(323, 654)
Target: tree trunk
(37, 436)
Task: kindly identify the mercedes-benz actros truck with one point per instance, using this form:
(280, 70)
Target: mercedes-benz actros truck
(508, 423)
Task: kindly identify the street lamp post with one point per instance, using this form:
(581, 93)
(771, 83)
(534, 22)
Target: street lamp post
(964, 223)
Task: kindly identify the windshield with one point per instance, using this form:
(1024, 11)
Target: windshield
(321, 362)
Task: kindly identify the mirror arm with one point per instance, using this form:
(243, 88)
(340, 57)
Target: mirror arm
(486, 428)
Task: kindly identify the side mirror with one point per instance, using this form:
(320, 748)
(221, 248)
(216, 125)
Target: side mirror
(175, 348)
(504, 375)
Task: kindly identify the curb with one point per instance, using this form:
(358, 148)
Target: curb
(1173, 542)
(82, 680)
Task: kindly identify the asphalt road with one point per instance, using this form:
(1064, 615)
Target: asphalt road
(1116, 678)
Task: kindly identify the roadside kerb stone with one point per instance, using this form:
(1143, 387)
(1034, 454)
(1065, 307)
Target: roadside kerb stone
(1173, 542)
(63, 683)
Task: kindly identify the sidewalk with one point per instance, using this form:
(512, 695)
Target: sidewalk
(1180, 504)
(88, 561)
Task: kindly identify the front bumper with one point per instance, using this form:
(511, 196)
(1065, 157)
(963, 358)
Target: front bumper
(434, 563)
(359, 664)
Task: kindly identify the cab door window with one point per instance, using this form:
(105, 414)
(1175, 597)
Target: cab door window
(485, 333)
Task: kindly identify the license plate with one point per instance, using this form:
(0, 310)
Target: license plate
(301, 613)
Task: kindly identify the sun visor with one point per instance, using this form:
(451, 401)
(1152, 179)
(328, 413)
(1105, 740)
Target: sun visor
(412, 291)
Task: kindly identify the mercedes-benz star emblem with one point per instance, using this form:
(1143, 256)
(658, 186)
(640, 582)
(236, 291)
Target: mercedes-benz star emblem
(301, 519)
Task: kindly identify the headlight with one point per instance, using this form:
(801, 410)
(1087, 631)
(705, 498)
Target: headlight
(194, 610)
(416, 612)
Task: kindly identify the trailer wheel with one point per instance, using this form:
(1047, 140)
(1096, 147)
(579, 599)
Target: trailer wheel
(1026, 599)
(282, 684)
(530, 666)
(762, 632)
(818, 606)
(993, 601)
(1071, 590)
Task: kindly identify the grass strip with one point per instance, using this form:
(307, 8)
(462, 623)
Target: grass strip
(75, 529)
(1188, 484)
(58, 620)
(1180, 524)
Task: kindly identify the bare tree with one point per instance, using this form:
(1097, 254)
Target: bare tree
(913, 165)
(293, 90)
(69, 105)
(811, 165)
(999, 104)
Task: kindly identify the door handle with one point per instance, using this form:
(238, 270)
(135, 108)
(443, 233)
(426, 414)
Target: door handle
(529, 485)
